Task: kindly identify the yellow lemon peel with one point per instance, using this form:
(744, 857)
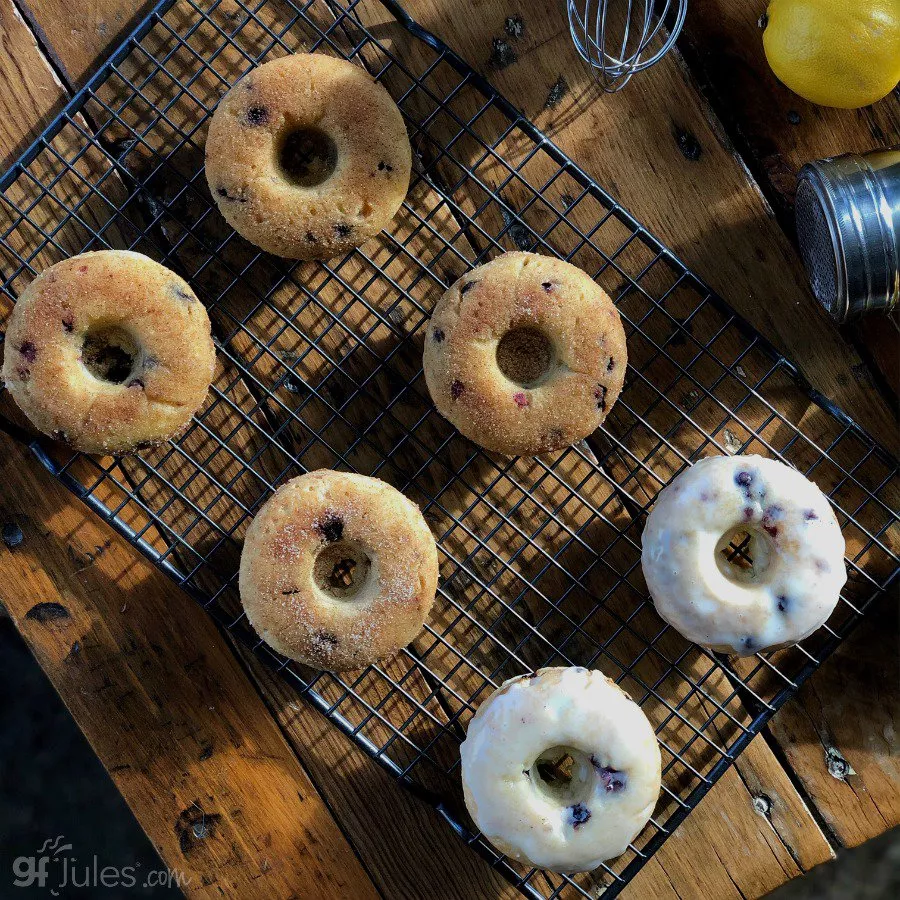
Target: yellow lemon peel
(835, 52)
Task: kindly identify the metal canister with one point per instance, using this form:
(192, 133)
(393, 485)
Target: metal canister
(848, 226)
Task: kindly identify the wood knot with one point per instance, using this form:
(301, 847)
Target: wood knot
(762, 804)
(194, 825)
(687, 143)
(47, 612)
(12, 535)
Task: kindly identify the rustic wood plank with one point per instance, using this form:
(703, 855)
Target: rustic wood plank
(696, 195)
(196, 714)
(77, 37)
(660, 150)
(747, 857)
(165, 705)
(840, 733)
(371, 806)
(423, 855)
(755, 881)
(29, 93)
(777, 131)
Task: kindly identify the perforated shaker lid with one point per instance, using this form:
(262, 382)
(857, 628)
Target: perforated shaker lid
(820, 250)
(848, 216)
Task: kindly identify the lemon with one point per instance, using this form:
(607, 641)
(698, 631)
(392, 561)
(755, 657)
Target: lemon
(842, 53)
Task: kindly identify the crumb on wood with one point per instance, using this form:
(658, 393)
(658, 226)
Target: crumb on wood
(687, 143)
(690, 399)
(12, 535)
(732, 442)
(514, 27)
(519, 232)
(502, 54)
(559, 90)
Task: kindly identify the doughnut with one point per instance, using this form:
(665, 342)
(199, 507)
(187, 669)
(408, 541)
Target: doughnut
(788, 579)
(560, 769)
(525, 354)
(108, 352)
(338, 570)
(308, 157)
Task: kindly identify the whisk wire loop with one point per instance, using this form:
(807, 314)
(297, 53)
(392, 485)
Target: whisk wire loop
(612, 36)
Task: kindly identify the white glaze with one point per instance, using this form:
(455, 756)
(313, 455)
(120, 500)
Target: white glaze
(560, 707)
(795, 534)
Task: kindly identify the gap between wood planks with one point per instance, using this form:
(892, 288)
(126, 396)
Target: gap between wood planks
(173, 730)
(460, 860)
(778, 752)
(48, 60)
(775, 132)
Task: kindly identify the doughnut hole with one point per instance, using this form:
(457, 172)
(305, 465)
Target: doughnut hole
(564, 774)
(110, 353)
(743, 554)
(341, 570)
(305, 157)
(526, 356)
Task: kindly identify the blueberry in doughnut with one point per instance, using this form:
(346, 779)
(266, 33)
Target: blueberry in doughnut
(560, 769)
(308, 157)
(109, 352)
(338, 570)
(742, 554)
(525, 354)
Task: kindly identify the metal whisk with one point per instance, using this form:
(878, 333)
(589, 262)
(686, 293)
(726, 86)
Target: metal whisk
(620, 37)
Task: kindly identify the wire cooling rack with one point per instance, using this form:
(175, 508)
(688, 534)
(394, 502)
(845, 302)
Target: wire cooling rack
(319, 365)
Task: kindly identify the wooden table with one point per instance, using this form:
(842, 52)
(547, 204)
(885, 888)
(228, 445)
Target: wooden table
(253, 794)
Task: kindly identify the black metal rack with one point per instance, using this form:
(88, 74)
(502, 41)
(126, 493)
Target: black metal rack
(320, 365)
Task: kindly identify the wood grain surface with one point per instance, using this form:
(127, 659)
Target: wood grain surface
(174, 720)
(777, 132)
(297, 804)
(165, 705)
(31, 89)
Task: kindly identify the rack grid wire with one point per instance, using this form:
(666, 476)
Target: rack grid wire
(319, 365)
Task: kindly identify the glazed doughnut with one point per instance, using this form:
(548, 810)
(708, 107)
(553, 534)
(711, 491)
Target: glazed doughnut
(338, 570)
(518, 792)
(307, 156)
(525, 354)
(795, 544)
(109, 352)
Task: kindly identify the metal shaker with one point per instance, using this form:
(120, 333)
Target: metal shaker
(848, 226)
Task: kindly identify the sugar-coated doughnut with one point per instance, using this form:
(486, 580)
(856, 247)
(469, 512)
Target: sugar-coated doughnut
(308, 156)
(338, 570)
(795, 544)
(560, 769)
(109, 352)
(525, 354)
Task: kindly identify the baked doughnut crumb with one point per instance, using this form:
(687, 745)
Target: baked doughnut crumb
(525, 354)
(308, 156)
(743, 554)
(338, 570)
(109, 352)
(560, 769)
